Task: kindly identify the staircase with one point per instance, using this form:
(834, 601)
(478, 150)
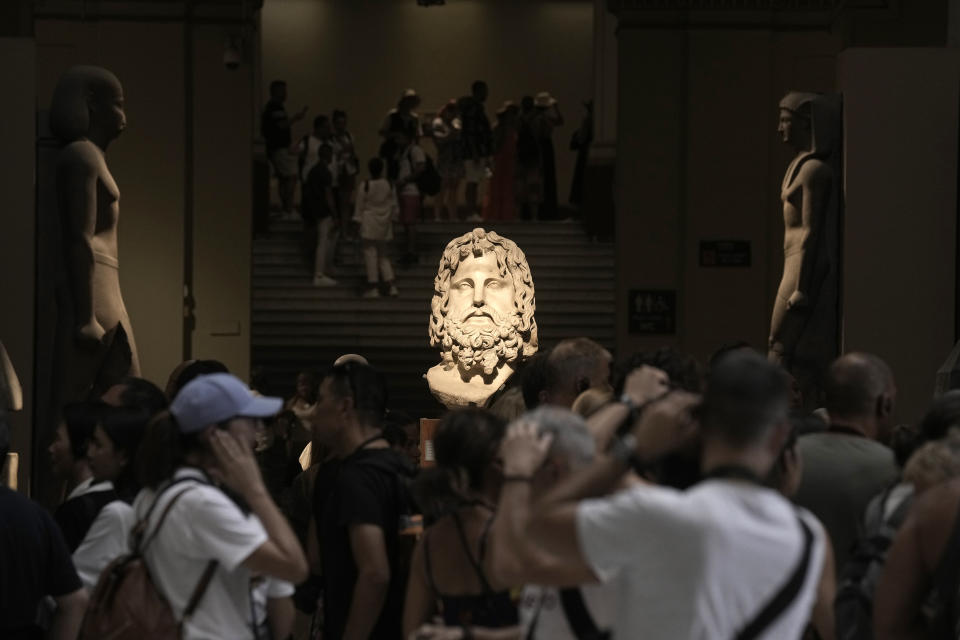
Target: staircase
(299, 327)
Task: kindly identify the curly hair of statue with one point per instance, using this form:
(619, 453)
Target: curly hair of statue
(512, 263)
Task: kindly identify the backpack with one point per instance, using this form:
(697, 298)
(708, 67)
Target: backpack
(853, 606)
(126, 604)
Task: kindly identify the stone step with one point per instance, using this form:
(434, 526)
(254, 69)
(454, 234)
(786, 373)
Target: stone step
(554, 272)
(343, 322)
(306, 293)
(538, 264)
(351, 342)
(533, 251)
(268, 309)
(451, 230)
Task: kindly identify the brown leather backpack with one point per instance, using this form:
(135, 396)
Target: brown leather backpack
(126, 604)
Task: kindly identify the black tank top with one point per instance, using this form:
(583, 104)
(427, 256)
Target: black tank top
(491, 609)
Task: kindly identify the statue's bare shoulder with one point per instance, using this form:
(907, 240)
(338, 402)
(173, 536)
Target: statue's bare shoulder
(814, 171)
(81, 156)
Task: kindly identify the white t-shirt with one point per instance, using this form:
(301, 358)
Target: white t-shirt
(415, 154)
(107, 539)
(87, 486)
(375, 209)
(541, 605)
(203, 525)
(699, 564)
(263, 590)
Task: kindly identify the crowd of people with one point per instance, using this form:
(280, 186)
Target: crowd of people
(648, 498)
(507, 171)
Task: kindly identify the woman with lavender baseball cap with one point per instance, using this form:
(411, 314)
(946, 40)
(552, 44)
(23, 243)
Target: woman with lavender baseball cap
(205, 442)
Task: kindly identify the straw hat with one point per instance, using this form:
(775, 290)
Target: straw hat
(544, 99)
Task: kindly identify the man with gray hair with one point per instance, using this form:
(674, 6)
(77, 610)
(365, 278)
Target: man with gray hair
(546, 612)
(845, 466)
(728, 558)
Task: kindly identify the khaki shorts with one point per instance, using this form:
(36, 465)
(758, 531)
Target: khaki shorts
(284, 163)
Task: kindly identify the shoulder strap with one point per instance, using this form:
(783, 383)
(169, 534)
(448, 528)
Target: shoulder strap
(532, 629)
(199, 590)
(473, 561)
(141, 526)
(578, 616)
(787, 594)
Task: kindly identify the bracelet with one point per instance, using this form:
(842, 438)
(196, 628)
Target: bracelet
(627, 400)
(517, 478)
(623, 449)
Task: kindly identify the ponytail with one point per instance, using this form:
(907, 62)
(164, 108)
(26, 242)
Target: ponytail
(163, 450)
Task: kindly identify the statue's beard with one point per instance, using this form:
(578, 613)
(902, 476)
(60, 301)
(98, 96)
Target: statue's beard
(482, 348)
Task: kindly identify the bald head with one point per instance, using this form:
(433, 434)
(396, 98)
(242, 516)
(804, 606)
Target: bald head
(860, 388)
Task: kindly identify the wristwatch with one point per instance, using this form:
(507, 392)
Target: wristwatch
(623, 449)
(633, 414)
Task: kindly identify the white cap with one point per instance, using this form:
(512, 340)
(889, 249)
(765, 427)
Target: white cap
(213, 398)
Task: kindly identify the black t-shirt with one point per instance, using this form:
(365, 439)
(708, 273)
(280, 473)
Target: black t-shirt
(368, 488)
(275, 126)
(75, 516)
(34, 562)
(319, 184)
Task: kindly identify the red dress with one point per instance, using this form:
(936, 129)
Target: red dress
(500, 203)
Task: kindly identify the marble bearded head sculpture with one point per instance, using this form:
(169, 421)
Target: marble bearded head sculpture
(482, 317)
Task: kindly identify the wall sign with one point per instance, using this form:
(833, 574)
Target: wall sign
(653, 311)
(724, 253)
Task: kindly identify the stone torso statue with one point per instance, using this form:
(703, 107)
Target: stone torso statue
(803, 326)
(482, 318)
(95, 344)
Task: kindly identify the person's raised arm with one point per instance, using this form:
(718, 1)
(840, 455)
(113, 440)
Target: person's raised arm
(664, 426)
(369, 551)
(513, 557)
(69, 615)
(77, 186)
(298, 116)
(281, 556)
(642, 385)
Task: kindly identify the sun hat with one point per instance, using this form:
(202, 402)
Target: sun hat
(544, 99)
(216, 397)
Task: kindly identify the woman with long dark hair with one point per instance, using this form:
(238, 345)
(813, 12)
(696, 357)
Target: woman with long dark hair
(448, 573)
(111, 452)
